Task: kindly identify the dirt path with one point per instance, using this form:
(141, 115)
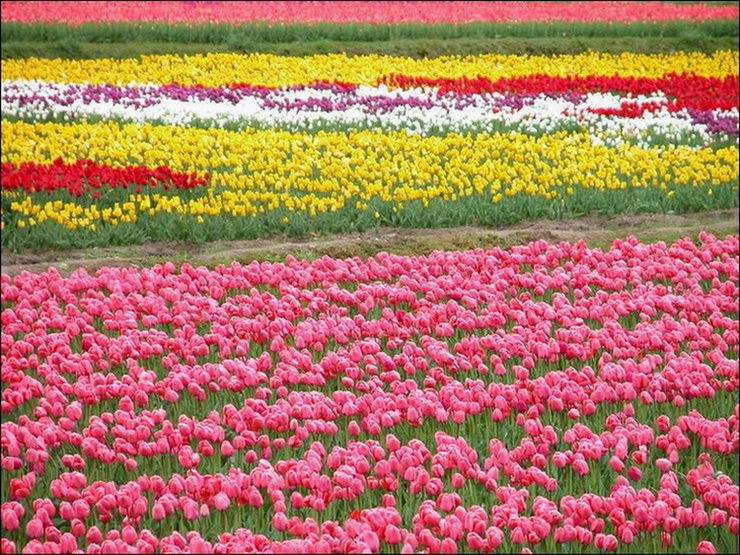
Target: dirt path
(596, 231)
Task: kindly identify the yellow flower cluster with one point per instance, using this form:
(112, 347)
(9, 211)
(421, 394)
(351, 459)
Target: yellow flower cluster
(271, 70)
(71, 214)
(256, 172)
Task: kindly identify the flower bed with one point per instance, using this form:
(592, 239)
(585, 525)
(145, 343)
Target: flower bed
(354, 12)
(334, 143)
(463, 401)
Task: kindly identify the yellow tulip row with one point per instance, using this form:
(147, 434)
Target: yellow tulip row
(273, 71)
(256, 172)
(234, 203)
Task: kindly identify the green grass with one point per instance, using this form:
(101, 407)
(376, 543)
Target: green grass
(412, 48)
(125, 40)
(353, 32)
(419, 48)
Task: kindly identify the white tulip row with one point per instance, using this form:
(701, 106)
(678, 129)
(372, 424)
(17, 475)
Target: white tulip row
(439, 114)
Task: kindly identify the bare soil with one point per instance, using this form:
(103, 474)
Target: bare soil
(597, 231)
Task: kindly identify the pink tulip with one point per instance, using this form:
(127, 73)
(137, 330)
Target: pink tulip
(158, 511)
(94, 535)
(616, 464)
(448, 545)
(448, 501)
(191, 510)
(34, 528)
(10, 520)
(221, 501)
(634, 473)
(664, 465)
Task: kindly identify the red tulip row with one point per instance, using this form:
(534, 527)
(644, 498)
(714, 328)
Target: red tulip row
(84, 176)
(684, 90)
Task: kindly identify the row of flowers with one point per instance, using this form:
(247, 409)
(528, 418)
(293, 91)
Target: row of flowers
(215, 70)
(262, 171)
(329, 143)
(646, 119)
(86, 176)
(480, 400)
(686, 90)
(353, 12)
(443, 523)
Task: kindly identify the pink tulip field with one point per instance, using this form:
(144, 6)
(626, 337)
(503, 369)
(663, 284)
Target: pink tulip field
(354, 12)
(549, 397)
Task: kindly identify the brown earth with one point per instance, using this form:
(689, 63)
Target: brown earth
(597, 231)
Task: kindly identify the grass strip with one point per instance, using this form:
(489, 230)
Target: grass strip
(411, 48)
(263, 33)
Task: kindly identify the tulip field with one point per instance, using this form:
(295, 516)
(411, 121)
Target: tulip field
(558, 396)
(77, 13)
(331, 143)
(553, 397)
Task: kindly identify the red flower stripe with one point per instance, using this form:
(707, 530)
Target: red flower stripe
(631, 109)
(688, 91)
(84, 176)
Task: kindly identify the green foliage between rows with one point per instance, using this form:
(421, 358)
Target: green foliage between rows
(264, 33)
(412, 48)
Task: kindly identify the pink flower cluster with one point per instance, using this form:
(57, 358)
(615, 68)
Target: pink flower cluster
(355, 12)
(479, 400)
